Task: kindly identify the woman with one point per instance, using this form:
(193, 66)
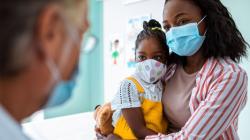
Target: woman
(39, 50)
(205, 88)
(213, 86)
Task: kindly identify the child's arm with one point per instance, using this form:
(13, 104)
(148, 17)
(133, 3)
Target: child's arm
(136, 122)
(128, 101)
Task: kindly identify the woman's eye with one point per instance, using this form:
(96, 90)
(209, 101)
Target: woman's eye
(166, 28)
(158, 58)
(182, 22)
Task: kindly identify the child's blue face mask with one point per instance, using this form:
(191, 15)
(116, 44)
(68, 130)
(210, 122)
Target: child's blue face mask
(185, 40)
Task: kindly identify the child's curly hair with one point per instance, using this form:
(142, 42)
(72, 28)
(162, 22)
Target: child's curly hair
(152, 29)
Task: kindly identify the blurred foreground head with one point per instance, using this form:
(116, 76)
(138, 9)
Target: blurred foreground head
(39, 39)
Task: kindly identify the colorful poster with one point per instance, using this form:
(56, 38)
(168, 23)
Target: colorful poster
(134, 26)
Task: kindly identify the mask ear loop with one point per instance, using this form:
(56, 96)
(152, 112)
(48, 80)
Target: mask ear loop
(205, 33)
(53, 70)
(55, 74)
(201, 21)
(71, 42)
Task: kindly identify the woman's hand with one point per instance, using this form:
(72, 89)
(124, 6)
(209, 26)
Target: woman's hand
(112, 137)
(99, 136)
(109, 137)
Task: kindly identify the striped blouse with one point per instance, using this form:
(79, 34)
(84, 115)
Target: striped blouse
(217, 99)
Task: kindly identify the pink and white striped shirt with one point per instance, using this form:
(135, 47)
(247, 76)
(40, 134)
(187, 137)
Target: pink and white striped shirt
(217, 99)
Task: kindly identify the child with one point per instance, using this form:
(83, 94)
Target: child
(137, 105)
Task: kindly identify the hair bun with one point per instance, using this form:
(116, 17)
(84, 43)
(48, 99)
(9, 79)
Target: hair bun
(151, 24)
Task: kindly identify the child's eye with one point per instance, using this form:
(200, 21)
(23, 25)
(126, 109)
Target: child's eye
(141, 58)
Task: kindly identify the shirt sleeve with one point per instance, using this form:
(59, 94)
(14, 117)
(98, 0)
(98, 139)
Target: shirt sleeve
(127, 96)
(224, 101)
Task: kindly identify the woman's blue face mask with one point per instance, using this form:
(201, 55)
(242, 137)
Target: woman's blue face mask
(185, 40)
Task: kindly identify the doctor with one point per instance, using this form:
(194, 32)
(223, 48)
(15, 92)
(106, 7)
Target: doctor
(39, 52)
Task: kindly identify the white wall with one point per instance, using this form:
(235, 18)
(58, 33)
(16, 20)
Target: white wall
(116, 15)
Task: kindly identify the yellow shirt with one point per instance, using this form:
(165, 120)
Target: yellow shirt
(153, 115)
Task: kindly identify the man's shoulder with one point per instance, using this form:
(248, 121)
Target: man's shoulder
(9, 128)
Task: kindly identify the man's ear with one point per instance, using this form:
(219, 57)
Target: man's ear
(50, 32)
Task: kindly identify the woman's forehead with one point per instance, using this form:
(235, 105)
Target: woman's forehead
(174, 8)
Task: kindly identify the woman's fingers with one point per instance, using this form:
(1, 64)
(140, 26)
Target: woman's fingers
(112, 137)
(100, 136)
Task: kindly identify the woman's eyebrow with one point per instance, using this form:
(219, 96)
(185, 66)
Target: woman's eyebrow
(165, 22)
(178, 15)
